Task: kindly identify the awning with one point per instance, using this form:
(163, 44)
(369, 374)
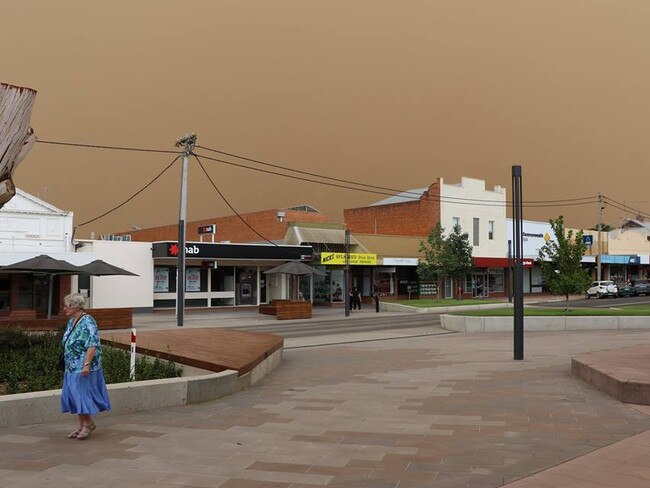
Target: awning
(500, 262)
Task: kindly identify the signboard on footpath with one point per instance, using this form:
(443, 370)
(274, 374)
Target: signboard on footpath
(356, 259)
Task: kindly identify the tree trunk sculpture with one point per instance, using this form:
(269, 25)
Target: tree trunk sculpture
(16, 136)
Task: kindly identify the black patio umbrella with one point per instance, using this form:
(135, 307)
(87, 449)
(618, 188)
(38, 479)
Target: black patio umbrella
(46, 265)
(102, 268)
(295, 268)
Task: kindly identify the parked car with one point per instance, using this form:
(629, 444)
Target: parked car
(601, 289)
(642, 287)
(626, 290)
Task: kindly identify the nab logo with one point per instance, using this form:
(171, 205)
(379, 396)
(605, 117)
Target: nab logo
(173, 250)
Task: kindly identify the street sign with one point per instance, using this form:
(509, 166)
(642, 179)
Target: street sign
(207, 229)
(588, 240)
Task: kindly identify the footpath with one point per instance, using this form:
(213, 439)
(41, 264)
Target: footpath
(441, 411)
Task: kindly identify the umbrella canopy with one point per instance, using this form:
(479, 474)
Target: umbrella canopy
(102, 268)
(42, 264)
(296, 268)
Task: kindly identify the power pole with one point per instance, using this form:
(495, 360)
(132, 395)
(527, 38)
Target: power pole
(600, 225)
(188, 141)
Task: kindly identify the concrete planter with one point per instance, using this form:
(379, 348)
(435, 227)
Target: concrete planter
(44, 406)
(459, 323)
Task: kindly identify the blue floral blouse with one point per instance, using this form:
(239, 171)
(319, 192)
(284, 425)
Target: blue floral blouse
(76, 342)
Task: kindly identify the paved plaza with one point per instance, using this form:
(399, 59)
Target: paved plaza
(450, 410)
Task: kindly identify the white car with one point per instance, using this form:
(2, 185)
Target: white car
(601, 289)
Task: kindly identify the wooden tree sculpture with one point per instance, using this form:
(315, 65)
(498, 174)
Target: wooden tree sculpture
(16, 136)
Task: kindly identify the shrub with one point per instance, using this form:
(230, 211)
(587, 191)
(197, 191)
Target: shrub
(28, 362)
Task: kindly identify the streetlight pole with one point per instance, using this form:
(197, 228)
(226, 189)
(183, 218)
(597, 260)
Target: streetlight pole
(346, 277)
(188, 141)
(517, 222)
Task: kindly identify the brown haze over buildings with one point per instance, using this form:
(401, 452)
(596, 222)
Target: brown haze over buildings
(388, 93)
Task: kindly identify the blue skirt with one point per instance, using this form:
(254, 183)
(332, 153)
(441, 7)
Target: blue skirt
(84, 395)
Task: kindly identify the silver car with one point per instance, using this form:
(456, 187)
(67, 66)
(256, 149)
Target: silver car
(601, 289)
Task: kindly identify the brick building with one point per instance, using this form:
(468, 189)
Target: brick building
(411, 213)
(231, 228)
(479, 211)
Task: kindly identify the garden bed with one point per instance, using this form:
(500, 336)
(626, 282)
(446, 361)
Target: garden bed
(28, 362)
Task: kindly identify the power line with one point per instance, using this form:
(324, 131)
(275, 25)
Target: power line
(404, 193)
(132, 196)
(228, 203)
(116, 148)
(407, 194)
(625, 208)
(475, 202)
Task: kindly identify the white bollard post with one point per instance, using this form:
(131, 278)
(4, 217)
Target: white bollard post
(132, 368)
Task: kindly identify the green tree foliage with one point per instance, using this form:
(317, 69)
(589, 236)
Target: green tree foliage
(430, 268)
(560, 262)
(457, 258)
(449, 256)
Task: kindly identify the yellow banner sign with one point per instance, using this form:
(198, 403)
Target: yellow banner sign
(356, 259)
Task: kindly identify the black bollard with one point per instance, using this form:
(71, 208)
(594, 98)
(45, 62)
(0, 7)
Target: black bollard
(376, 297)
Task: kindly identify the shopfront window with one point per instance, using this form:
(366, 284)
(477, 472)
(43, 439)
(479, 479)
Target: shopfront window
(496, 280)
(196, 280)
(25, 291)
(384, 283)
(337, 285)
(164, 279)
(304, 292)
(322, 286)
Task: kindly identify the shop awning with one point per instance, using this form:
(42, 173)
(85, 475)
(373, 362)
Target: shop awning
(499, 262)
(313, 235)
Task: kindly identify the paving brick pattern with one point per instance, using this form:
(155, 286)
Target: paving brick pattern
(443, 411)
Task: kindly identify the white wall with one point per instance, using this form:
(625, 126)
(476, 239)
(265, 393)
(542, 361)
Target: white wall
(122, 291)
(28, 224)
(456, 201)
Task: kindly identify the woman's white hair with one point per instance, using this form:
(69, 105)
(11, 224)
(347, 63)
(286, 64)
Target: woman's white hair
(74, 300)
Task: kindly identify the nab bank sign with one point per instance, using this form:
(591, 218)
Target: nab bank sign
(189, 250)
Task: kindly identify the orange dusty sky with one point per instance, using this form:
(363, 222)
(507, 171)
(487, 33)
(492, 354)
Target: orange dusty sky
(388, 93)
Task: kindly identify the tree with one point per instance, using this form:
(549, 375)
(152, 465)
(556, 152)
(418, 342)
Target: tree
(560, 262)
(457, 256)
(449, 256)
(430, 269)
(16, 136)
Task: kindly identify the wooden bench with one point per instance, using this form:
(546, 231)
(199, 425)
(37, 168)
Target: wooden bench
(287, 309)
(106, 318)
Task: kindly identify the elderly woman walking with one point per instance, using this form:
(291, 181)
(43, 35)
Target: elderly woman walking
(84, 389)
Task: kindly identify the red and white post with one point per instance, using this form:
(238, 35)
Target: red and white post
(132, 367)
